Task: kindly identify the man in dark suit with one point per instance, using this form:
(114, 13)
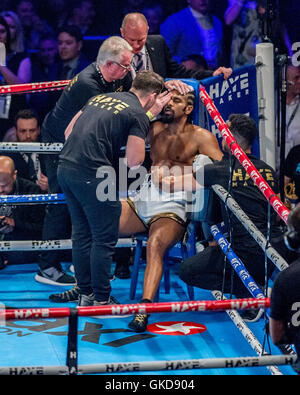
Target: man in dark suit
(70, 41)
(19, 222)
(30, 166)
(151, 52)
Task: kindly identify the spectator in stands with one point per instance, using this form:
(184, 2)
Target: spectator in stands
(242, 16)
(44, 66)
(13, 70)
(195, 30)
(194, 62)
(70, 42)
(33, 25)
(248, 20)
(82, 15)
(293, 108)
(55, 12)
(284, 316)
(29, 165)
(155, 16)
(20, 222)
(16, 31)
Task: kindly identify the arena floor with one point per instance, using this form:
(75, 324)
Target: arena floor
(191, 335)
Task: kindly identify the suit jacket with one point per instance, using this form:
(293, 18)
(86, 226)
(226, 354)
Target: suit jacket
(22, 166)
(184, 36)
(164, 64)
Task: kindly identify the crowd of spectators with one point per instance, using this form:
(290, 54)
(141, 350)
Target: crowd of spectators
(57, 39)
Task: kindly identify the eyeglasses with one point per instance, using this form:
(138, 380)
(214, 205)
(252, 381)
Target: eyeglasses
(128, 68)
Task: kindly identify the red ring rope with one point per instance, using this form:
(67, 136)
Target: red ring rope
(33, 87)
(237, 151)
(147, 308)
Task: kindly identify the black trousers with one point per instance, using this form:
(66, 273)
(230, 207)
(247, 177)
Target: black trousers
(95, 226)
(206, 269)
(57, 222)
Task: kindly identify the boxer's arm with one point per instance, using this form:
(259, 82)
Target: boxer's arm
(69, 129)
(135, 151)
(208, 144)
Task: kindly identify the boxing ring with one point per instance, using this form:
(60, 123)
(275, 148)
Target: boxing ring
(75, 334)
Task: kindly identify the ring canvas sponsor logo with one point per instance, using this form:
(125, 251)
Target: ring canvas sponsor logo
(176, 328)
(95, 333)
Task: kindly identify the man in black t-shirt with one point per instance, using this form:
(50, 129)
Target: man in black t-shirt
(87, 174)
(292, 169)
(285, 298)
(205, 270)
(103, 76)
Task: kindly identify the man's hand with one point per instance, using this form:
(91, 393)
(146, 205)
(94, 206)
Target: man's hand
(179, 86)
(223, 70)
(43, 182)
(7, 225)
(161, 101)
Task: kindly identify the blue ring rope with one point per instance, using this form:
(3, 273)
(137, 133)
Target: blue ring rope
(237, 264)
(58, 198)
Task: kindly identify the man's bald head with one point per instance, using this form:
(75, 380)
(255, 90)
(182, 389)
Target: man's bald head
(135, 31)
(7, 165)
(8, 175)
(135, 20)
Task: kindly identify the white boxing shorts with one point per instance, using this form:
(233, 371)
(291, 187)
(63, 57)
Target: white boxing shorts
(151, 204)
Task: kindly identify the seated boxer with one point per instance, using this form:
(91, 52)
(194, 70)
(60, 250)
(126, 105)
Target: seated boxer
(174, 144)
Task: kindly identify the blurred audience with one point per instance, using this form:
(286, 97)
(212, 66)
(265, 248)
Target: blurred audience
(44, 66)
(70, 41)
(292, 108)
(155, 15)
(19, 222)
(242, 16)
(16, 31)
(195, 30)
(33, 25)
(194, 62)
(13, 70)
(29, 165)
(82, 15)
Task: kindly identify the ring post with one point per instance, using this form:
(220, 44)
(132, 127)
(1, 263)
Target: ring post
(266, 102)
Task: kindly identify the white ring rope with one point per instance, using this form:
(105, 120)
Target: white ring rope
(246, 332)
(190, 364)
(46, 148)
(43, 245)
(272, 254)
